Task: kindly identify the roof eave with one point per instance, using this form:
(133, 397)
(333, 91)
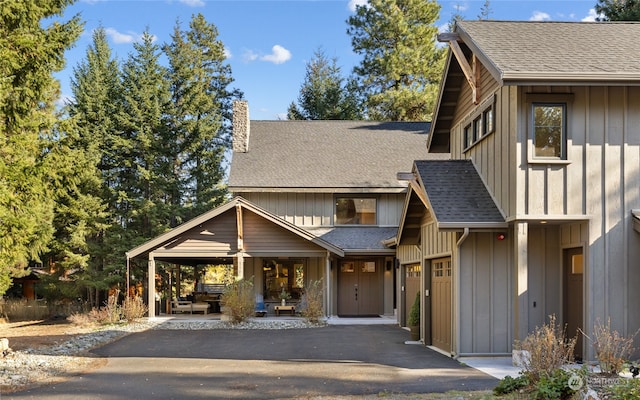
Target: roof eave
(265, 189)
(460, 225)
(563, 78)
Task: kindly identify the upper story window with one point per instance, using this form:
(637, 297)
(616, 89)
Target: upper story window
(481, 125)
(356, 211)
(549, 130)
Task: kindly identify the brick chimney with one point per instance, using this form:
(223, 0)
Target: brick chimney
(240, 126)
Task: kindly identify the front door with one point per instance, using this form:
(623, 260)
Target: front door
(573, 266)
(360, 288)
(441, 303)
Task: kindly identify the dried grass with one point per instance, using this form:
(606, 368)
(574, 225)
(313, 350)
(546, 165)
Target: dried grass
(549, 349)
(612, 349)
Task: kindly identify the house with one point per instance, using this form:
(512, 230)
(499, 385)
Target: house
(313, 200)
(536, 214)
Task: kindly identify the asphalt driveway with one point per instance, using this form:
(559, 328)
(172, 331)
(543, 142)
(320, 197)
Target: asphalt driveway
(265, 364)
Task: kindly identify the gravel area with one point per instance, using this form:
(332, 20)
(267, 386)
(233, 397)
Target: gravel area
(28, 367)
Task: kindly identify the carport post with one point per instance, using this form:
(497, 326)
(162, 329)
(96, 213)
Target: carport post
(152, 286)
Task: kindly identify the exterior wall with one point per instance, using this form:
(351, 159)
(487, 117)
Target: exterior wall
(317, 209)
(262, 236)
(544, 278)
(221, 240)
(485, 295)
(493, 155)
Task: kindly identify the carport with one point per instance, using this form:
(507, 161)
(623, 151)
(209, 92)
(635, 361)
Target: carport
(238, 233)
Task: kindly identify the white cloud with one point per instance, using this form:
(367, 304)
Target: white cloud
(278, 55)
(354, 3)
(540, 16)
(129, 37)
(249, 55)
(592, 16)
(227, 53)
(193, 3)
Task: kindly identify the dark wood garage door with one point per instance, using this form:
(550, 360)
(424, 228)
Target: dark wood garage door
(441, 303)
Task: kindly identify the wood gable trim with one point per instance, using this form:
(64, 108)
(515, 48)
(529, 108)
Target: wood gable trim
(239, 204)
(471, 72)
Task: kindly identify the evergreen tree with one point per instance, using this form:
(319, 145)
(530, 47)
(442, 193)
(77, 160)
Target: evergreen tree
(618, 10)
(93, 129)
(323, 95)
(485, 11)
(30, 51)
(402, 64)
(201, 116)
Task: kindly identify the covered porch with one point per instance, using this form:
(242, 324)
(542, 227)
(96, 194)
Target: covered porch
(257, 244)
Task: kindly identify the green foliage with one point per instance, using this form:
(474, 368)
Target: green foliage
(239, 300)
(625, 389)
(414, 313)
(554, 385)
(311, 303)
(324, 95)
(618, 10)
(509, 384)
(400, 74)
(30, 51)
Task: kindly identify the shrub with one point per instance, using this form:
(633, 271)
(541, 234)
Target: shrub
(554, 385)
(509, 384)
(414, 314)
(311, 302)
(134, 308)
(549, 349)
(239, 300)
(625, 389)
(612, 349)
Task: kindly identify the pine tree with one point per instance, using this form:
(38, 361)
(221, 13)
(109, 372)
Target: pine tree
(323, 95)
(618, 10)
(30, 51)
(94, 130)
(485, 11)
(201, 116)
(402, 65)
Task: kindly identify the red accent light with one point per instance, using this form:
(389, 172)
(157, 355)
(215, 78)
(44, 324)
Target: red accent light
(501, 236)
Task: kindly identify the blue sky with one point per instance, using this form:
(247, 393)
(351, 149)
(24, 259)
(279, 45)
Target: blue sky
(270, 42)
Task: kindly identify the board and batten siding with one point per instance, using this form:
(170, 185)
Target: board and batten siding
(486, 298)
(317, 209)
(263, 237)
(218, 236)
(494, 154)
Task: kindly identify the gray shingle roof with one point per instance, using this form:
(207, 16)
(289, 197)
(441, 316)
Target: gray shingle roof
(356, 238)
(457, 194)
(328, 154)
(556, 50)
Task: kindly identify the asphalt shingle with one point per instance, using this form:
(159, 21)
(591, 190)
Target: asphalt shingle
(328, 154)
(456, 192)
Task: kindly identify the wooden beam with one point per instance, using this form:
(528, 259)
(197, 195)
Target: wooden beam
(240, 230)
(471, 72)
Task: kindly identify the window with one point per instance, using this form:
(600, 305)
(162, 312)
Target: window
(487, 118)
(355, 211)
(283, 274)
(482, 125)
(468, 137)
(549, 130)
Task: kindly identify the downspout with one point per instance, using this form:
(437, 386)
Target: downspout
(464, 236)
